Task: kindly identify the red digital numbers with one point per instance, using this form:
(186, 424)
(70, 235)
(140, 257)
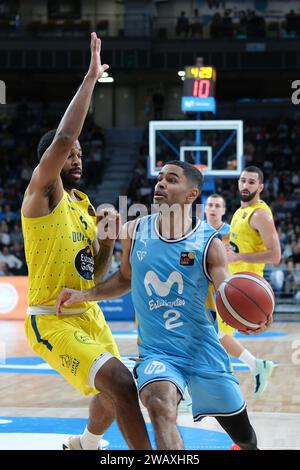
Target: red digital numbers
(201, 88)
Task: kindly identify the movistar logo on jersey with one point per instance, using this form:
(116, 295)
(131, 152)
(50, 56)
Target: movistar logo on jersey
(162, 288)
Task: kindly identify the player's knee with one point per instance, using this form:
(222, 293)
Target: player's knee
(118, 383)
(125, 387)
(159, 408)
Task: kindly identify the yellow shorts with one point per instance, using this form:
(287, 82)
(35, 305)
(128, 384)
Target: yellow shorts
(223, 328)
(71, 344)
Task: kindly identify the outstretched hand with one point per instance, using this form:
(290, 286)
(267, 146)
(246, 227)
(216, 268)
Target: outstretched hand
(96, 69)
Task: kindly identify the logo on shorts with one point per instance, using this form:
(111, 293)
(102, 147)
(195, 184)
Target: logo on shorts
(84, 339)
(84, 263)
(155, 367)
(66, 360)
(75, 365)
(70, 362)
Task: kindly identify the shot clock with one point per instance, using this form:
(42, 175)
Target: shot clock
(199, 89)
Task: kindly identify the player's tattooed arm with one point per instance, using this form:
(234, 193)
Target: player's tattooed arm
(115, 286)
(108, 230)
(103, 261)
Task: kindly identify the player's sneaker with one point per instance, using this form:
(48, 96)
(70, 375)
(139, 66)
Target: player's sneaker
(73, 443)
(261, 375)
(234, 447)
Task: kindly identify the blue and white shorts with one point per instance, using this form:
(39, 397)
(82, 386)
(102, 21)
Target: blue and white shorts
(213, 393)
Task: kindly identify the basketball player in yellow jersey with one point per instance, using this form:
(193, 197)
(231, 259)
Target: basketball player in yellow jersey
(62, 250)
(253, 243)
(214, 210)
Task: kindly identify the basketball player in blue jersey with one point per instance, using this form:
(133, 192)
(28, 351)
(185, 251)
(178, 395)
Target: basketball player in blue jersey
(169, 260)
(215, 209)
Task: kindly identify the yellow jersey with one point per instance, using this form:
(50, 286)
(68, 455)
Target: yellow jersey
(245, 239)
(59, 251)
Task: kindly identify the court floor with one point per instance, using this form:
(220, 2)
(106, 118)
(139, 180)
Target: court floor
(38, 408)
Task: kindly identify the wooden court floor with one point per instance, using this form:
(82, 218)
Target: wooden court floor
(275, 415)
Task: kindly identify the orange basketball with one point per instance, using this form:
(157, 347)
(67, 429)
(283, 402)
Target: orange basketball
(245, 301)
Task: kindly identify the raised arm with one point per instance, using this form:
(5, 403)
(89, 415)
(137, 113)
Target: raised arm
(46, 176)
(118, 284)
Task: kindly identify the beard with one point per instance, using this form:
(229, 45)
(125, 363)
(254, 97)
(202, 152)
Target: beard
(68, 181)
(247, 197)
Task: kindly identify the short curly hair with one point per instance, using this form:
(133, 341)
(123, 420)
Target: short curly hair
(45, 142)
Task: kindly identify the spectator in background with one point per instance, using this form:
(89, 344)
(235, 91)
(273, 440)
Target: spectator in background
(3, 269)
(292, 22)
(18, 251)
(295, 256)
(16, 234)
(196, 24)
(215, 26)
(5, 238)
(13, 263)
(182, 25)
(226, 25)
(9, 215)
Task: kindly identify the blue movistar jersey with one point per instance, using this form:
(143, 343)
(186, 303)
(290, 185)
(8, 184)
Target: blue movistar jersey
(224, 229)
(174, 306)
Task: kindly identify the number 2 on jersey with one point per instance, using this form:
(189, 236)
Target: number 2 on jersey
(172, 317)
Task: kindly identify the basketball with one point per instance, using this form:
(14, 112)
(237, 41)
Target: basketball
(245, 300)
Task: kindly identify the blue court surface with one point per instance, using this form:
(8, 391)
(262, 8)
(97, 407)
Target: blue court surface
(266, 334)
(49, 433)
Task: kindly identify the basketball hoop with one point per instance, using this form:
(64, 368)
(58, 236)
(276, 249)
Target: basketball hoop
(201, 168)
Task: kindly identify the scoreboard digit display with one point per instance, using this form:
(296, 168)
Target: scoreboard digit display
(199, 89)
